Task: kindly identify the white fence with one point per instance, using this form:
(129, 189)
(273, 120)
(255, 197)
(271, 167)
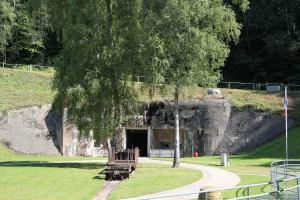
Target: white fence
(29, 67)
(246, 86)
(164, 153)
(229, 85)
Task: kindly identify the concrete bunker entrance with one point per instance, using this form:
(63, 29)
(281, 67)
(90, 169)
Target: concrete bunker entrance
(138, 138)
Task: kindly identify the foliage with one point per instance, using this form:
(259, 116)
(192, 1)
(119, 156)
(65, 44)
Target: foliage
(7, 17)
(270, 44)
(28, 32)
(97, 61)
(186, 42)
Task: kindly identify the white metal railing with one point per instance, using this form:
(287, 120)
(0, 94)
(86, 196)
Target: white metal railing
(164, 153)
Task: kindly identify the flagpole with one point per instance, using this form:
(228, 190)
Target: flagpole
(286, 124)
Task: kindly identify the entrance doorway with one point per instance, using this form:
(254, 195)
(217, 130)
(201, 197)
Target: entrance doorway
(137, 138)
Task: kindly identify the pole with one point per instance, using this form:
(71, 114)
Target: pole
(177, 142)
(286, 124)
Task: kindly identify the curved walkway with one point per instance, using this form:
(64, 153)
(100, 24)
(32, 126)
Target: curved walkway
(212, 176)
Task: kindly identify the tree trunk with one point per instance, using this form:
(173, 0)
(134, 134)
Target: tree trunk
(109, 150)
(109, 22)
(177, 140)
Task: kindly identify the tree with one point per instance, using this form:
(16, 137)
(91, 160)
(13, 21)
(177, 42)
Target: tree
(175, 42)
(187, 43)
(26, 44)
(270, 44)
(7, 17)
(96, 63)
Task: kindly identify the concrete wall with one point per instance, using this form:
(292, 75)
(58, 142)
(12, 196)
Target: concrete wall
(30, 130)
(212, 125)
(39, 130)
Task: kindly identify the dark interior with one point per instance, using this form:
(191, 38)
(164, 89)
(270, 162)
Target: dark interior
(137, 138)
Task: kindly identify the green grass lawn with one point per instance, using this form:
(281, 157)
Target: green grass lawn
(50, 182)
(8, 156)
(31, 177)
(37, 177)
(151, 178)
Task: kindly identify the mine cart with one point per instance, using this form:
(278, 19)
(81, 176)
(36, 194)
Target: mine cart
(121, 164)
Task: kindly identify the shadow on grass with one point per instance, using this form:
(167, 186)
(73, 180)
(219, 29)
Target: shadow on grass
(100, 177)
(46, 164)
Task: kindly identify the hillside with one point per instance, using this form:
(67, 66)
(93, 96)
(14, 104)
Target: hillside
(20, 88)
(276, 147)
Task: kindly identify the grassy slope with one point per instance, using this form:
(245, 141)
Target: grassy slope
(20, 88)
(259, 100)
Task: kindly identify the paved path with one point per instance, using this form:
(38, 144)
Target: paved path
(108, 187)
(212, 176)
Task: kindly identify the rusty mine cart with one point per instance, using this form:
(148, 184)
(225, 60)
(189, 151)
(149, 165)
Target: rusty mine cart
(121, 164)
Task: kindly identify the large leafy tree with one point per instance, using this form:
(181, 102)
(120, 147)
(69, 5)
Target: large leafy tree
(95, 66)
(174, 42)
(186, 43)
(7, 18)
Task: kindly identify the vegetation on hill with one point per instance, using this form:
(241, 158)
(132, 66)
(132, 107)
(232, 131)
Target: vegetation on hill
(20, 88)
(269, 45)
(276, 148)
(268, 49)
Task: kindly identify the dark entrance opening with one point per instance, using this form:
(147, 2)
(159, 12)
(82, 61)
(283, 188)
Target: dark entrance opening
(138, 138)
